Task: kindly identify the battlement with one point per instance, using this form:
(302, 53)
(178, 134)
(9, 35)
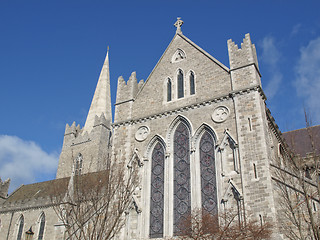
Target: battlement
(72, 130)
(240, 57)
(4, 187)
(128, 90)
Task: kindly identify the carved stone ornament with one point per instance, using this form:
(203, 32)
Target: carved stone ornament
(178, 56)
(220, 114)
(142, 133)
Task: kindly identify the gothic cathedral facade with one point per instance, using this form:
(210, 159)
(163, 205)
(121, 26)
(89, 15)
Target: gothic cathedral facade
(201, 130)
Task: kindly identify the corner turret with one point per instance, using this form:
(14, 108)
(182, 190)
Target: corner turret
(243, 64)
(126, 93)
(4, 187)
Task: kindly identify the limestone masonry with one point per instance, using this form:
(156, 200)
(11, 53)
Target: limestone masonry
(202, 133)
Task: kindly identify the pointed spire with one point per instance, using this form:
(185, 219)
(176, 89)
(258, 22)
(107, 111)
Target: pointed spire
(101, 102)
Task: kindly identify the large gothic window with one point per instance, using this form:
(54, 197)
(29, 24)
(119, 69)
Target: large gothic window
(20, 229)
(192, 86)
(208, 174)
(169, 92)
(157, 192)
(42, 224)
(180, 84)
(182, 199)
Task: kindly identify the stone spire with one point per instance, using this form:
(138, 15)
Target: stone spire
(101, 102)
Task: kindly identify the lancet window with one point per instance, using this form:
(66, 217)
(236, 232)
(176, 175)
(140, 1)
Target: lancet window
(20, 229)
(78, 167)
(192, 85)
(180, 84)
(157, 192)
(169, 90)
(42, 224)
(208, 174)
(182, 198)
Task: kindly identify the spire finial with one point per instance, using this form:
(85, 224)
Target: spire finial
(178, 25)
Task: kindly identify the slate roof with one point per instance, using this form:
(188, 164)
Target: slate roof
(300, 142)
(39, 194)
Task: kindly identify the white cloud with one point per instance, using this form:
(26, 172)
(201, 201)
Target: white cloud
(308, 77)
(24, 161)
(271, 57)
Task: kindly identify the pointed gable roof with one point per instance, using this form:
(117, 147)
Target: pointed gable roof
(101, 102)
(179, 34)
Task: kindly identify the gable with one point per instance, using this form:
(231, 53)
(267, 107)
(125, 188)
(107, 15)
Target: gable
(211, 79)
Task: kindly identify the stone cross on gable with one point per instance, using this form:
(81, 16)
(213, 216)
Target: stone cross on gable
(178, 25)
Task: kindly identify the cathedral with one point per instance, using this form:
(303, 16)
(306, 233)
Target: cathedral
(202, 134)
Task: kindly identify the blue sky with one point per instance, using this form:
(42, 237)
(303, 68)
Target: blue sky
(51, 53)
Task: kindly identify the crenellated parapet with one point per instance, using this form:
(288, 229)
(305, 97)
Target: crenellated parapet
(244, 66)
(243, 56)
(127, 91)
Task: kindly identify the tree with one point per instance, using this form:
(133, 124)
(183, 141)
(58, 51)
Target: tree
(298, 186)
(201, 225)
(94, 204)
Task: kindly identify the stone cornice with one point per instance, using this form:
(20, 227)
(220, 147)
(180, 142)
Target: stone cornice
(191, 106)
(250, 64)
(20, 208)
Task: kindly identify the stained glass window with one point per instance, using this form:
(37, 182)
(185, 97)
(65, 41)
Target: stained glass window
(41, 229)
(192, 87)
(20, 230)
(208, 174)
(169, 88)
(182, 199)
(180, 84)
(157, 192)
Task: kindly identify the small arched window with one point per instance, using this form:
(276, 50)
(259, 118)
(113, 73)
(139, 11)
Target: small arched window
(169, 90)
(20, 228)
(42, 224)
(192, 85)
(180, 84)
(78, 167)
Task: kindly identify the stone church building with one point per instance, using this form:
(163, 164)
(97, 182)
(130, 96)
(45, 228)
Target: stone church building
(201, 130)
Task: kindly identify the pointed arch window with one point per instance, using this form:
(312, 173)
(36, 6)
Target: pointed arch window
(208, 174)
(78, 167)
(20, 228)
(180, 84)
(192, 83)
(182, 198)
(169, 90)
(157, 192)
(42, 224)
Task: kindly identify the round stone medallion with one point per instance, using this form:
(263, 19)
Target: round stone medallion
(142, 133)
(220, 114)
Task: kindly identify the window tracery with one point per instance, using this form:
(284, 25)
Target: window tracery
(208, 174)
(20, 229)
(182, 198)
(157, 192)
(41, 229)
(78, 167)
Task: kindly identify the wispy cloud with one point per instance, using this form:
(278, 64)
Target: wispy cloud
(271, 57)
(296, 29)
(308, 77)
(24, 161)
